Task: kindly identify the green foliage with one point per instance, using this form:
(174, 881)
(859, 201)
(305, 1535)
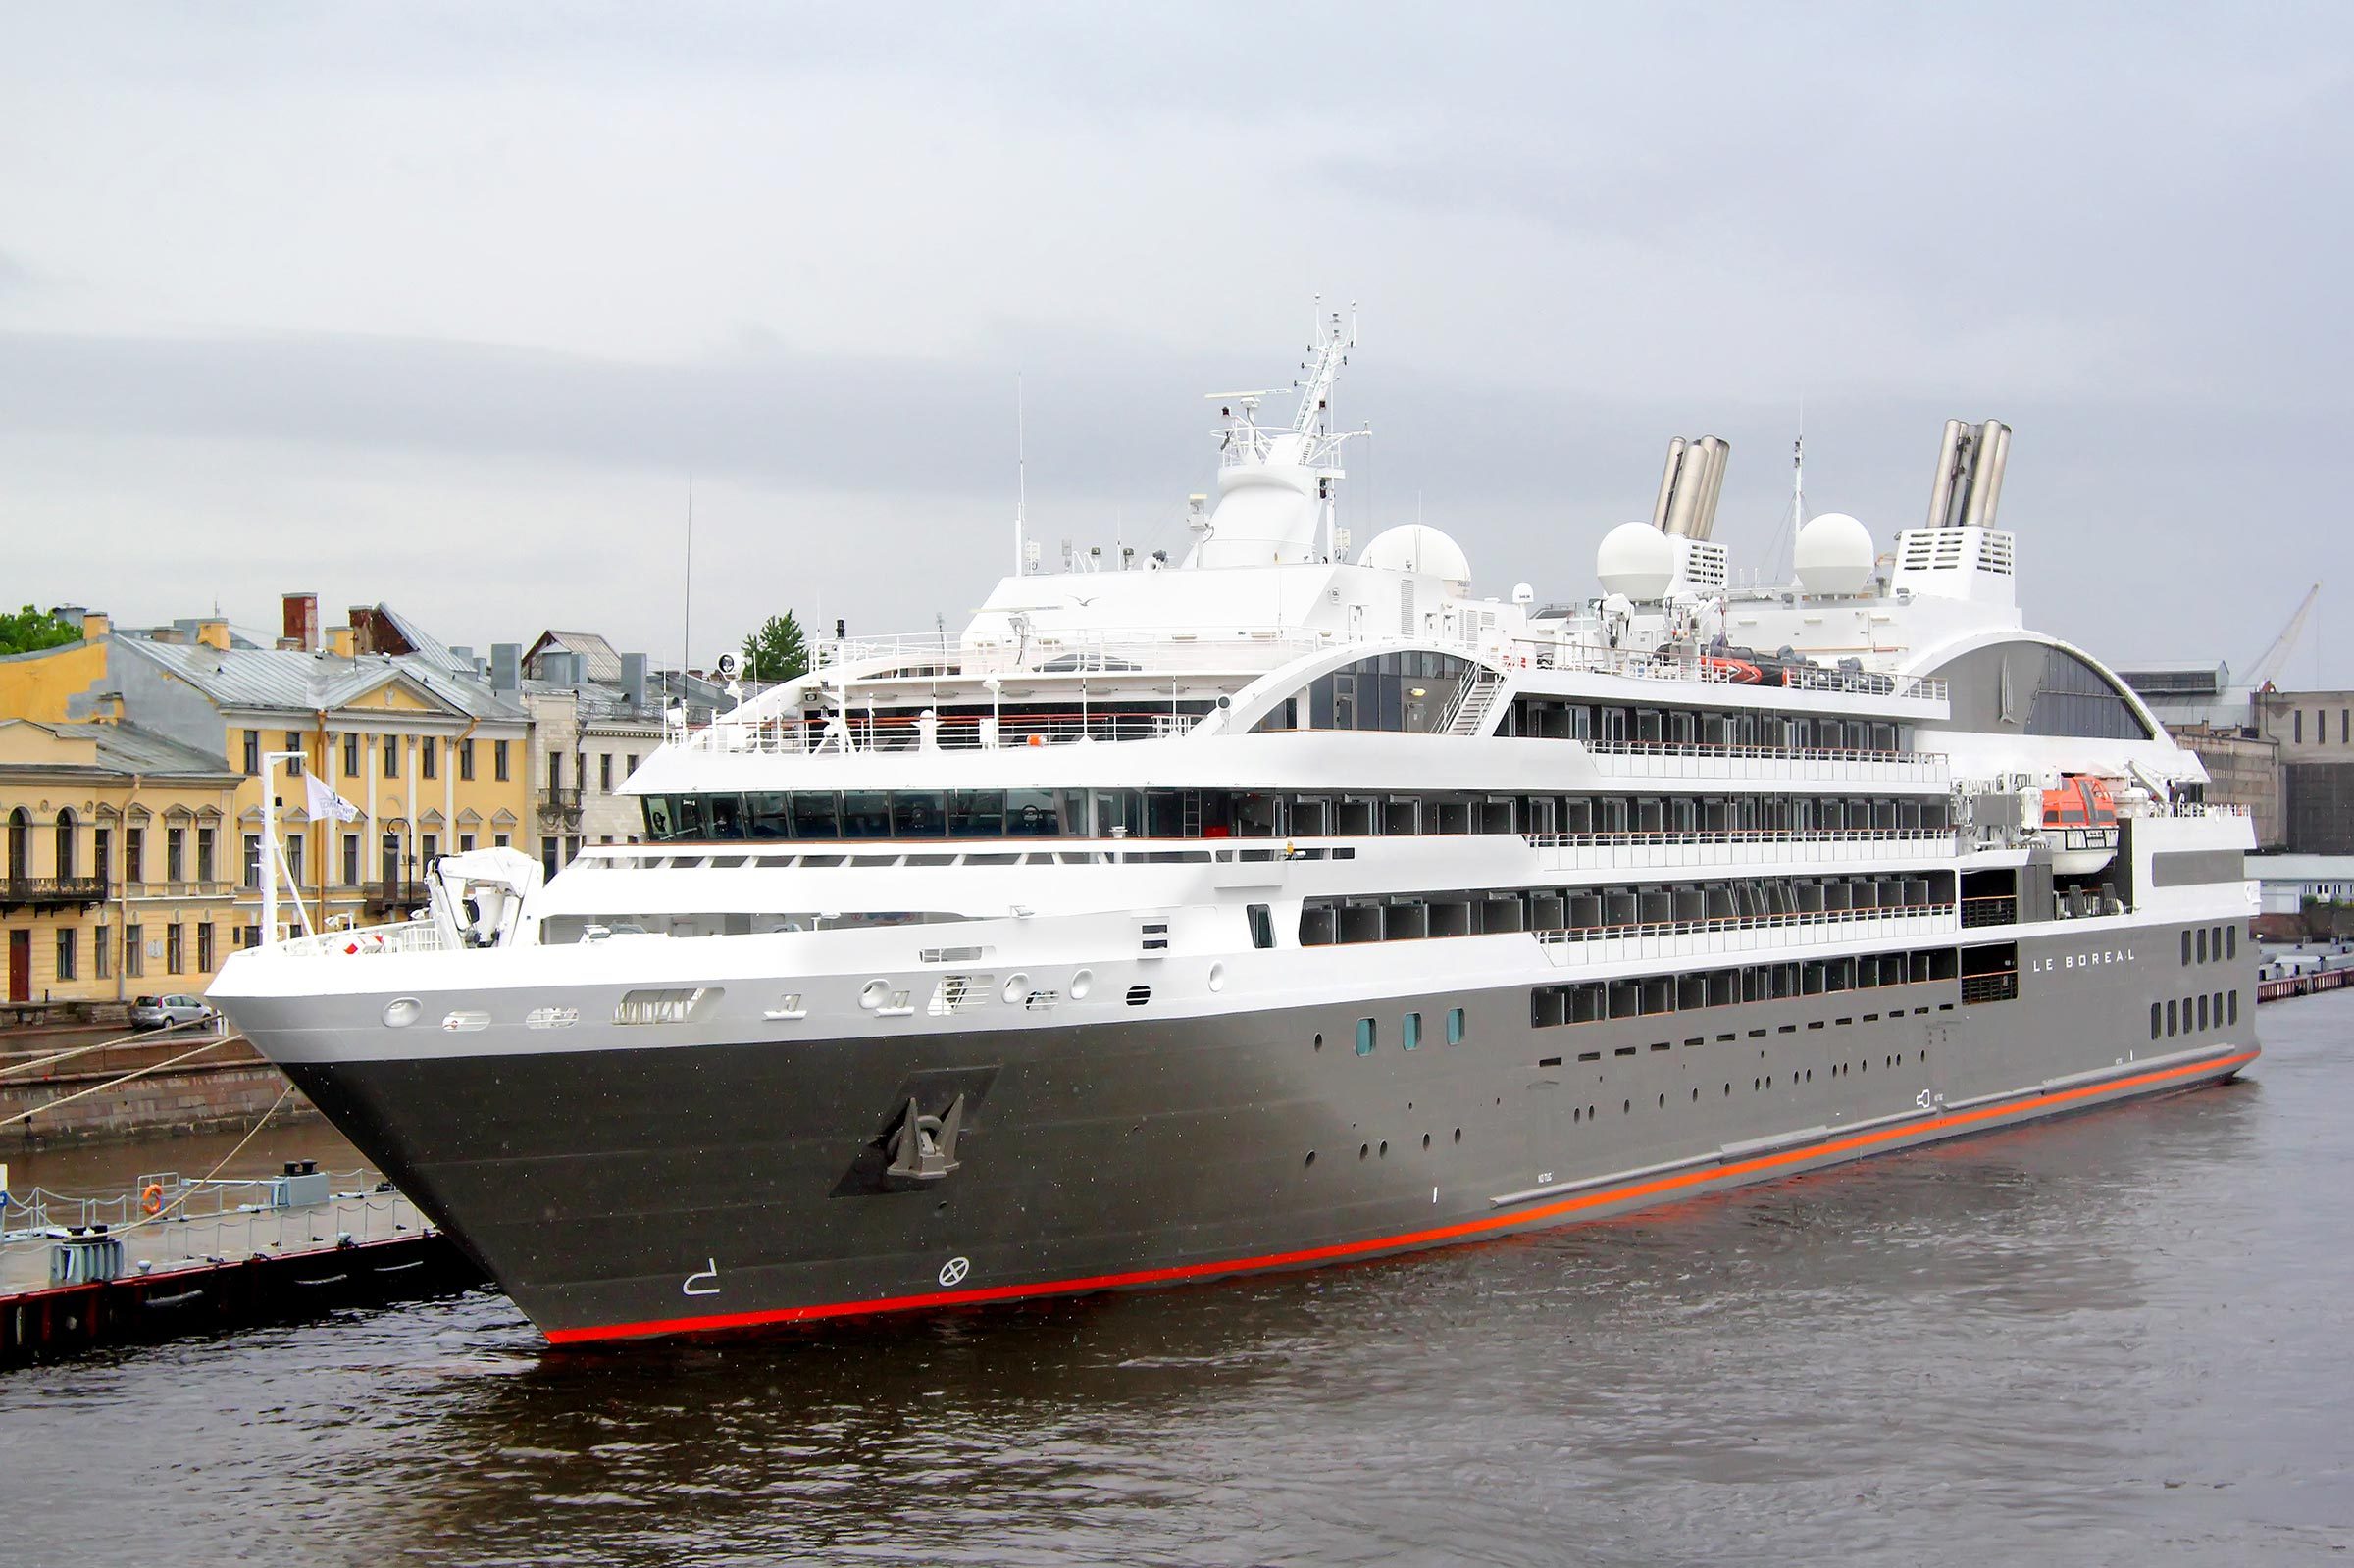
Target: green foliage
(777, 651)
(31, 629)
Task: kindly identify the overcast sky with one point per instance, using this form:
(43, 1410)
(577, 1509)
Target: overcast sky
(443, 306)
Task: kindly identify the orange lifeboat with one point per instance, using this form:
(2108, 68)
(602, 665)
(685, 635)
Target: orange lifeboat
(2080, 818)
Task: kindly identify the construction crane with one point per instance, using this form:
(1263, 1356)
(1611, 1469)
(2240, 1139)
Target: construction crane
(2269, 663)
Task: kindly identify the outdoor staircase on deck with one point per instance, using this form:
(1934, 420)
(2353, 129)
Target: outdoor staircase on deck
(1472, 702)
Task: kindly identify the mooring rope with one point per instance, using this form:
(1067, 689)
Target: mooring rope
(100, 1089)
(188, 1187)
(105, 1045)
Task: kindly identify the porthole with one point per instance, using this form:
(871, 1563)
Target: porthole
(1458, 1135)
(1217, 977)
(1426, 1141)
(873, 994)
(401, 1013)
(1385, 1148)
(1081, 984)
(1017, 986)
(1310, 1160)
(1364, 1150)
(1319, 1042)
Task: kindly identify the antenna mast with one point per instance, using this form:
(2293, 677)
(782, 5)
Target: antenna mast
(1021, 477)
(686, 595)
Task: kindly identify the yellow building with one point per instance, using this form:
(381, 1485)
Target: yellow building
(434, 760)
(119, 881)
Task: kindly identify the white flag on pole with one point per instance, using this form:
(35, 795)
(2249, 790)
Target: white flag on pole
(325, 802)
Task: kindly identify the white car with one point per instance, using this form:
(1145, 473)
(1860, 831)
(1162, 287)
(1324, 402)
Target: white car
(165, 1012)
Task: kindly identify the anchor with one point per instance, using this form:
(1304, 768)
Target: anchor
(923, 1148)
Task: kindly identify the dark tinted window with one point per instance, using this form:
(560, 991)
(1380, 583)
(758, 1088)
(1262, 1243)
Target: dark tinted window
(2074, 699)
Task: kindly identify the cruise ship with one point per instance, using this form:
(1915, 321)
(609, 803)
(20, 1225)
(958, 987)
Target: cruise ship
(1283, 904)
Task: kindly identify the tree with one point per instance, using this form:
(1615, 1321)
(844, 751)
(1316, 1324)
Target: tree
(777, 651)
(29, 629)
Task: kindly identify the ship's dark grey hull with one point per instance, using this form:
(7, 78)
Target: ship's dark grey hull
(629, 1192)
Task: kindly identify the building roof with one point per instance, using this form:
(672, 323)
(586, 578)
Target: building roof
(427, 646)
(2301, 868)
(598, 661)
(129, 748)
(274, 678)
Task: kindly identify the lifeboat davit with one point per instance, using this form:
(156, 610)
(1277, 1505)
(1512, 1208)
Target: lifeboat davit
(2080, 821)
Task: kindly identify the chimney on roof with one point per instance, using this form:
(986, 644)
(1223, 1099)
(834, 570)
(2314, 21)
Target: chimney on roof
(464, 656)
(342, 642)
(73, 615)
(212, 633)
(95, 624)
(632, 680)
(363, 639)
(506, 667)
(301, 623)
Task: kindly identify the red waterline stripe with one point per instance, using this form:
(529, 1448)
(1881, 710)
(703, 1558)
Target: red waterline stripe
(1701, 1177)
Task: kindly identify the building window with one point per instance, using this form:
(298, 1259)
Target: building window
(2298, 719)
(65, 952)
(1364, 1037)
(65, 844)
(466, 760)
(250, 935)
(351, 756)
(204, 854)
(1411, 1034)
(253, 753)
(391, 756)
(427, 759)
(204, 947)
(102, 856)
(102, 956)
(630, 767)
(173, 957)
(548, 863)
(351, 860)
(293, 851)
(555, 770)
(499, 760)
(253, 860)
(498, 841)
(1454, 1026)
(388, 860)
(465, 843)
(134, 855)
(174, 860)
(134, 951)
(604, 772)
(430, 850)
(294, 762)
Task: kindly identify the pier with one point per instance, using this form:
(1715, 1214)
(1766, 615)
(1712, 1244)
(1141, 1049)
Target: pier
(172, 1257)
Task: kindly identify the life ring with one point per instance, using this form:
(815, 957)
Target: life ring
(151, 1199)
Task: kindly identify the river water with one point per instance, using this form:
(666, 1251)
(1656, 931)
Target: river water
(2118, 1339)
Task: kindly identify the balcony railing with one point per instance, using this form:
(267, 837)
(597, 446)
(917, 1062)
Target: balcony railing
(42, 892)
(560, 805)
(386, 895)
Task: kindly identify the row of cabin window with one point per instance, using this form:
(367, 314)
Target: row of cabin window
(1595, 1002)
(1408, 917)
(428, 755)
(2209, 945)
(829, 816)
(1552, 718)
(1410, 1032)
(2189, 1014)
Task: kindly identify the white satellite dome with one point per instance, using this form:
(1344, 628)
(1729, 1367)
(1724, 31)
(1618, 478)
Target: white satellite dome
(1833, 554)
(1417, 547)
(1636, 561)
